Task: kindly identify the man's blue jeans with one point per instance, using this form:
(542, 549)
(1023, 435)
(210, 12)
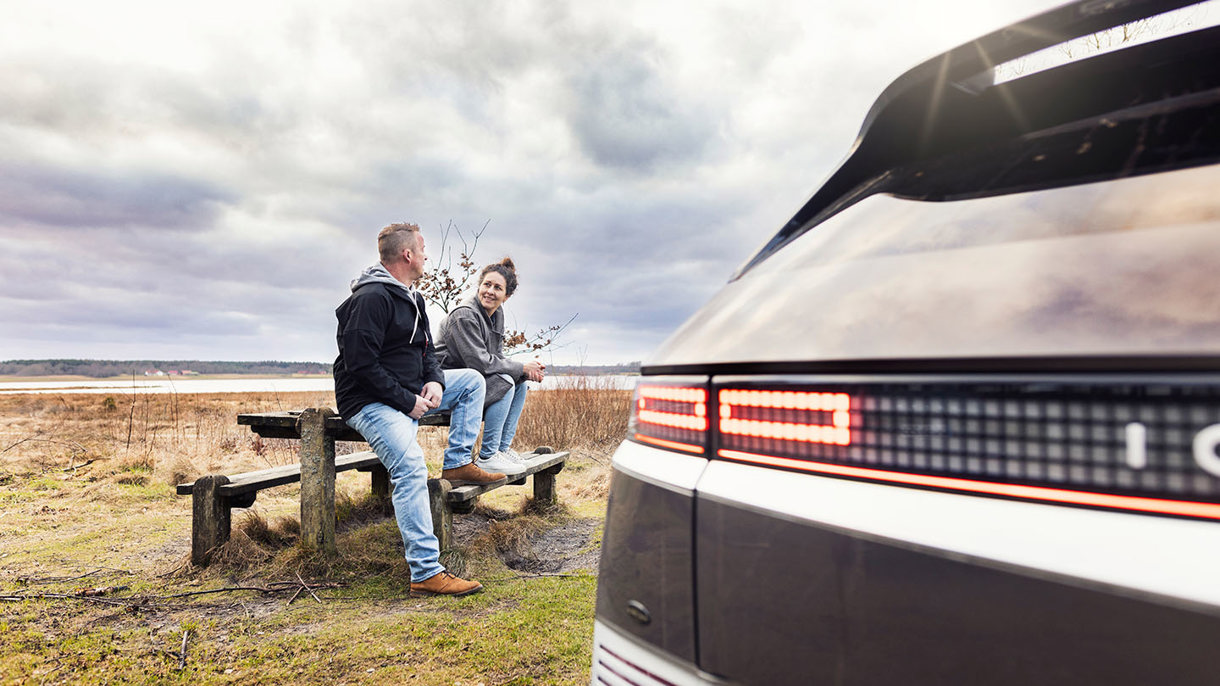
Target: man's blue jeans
(500, 421)
(463, 399)
(392, 435)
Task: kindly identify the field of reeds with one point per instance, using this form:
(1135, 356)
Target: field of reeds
(96, 585)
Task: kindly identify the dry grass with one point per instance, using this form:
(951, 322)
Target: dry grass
(171, 438)
(152, 441)
(111, 451)
(583, 412)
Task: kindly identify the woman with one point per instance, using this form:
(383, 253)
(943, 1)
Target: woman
(472, 336)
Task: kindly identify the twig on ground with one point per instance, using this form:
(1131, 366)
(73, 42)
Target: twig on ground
(14, 445)
(81, 565)
(29, 439)
(61, 596)
(55, 579)
(75, 467)
(174, 570)
(57, 668)
(226, 589)
(182, 656)
(98, 590)
(598, 460)
(136, 601)
(307, 588)
(538, 576)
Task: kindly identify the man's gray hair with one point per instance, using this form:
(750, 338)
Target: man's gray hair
(395, 238)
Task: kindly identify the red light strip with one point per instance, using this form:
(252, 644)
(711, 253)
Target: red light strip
(695, 420)
(677, 394)
(1122, 502)
(791, 400)
(674, 445)
(838, 405)
(671, 419)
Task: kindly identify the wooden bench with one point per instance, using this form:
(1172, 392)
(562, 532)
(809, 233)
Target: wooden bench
(214, 496)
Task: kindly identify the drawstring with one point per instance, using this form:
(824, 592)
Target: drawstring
(415, 326)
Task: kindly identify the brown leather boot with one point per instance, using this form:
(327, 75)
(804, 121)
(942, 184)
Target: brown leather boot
(472, 474)
(444, 584)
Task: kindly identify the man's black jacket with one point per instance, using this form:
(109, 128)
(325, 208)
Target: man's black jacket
(385, 349)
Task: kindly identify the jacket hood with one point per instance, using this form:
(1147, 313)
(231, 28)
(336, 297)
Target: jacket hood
(379, 274)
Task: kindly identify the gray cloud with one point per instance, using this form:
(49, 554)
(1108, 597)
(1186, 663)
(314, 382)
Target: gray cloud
(72, 198)
(204, 184)
(624, 115)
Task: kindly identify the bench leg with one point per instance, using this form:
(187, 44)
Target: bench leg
(209, 518)
(381, 488)
(442, 516)
(317, 481)
(544, 487)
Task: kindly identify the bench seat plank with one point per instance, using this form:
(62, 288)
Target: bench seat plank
(284, 424)
(291, 473)
(534, 463)
(285, 474)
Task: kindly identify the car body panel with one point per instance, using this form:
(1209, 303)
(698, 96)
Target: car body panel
(647, 574)
(844, 609)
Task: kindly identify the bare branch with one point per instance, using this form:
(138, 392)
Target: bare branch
(453, 272)
(445, 282)
(517, 343)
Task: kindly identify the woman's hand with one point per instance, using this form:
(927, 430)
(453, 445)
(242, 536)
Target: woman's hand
(534, 370)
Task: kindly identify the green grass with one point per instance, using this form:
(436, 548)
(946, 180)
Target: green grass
(520, 630)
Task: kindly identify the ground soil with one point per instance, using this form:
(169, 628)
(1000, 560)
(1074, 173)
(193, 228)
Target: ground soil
(562, 549)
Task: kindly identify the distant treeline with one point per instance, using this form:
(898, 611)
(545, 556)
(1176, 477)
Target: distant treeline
(622, 368)
(107, 368)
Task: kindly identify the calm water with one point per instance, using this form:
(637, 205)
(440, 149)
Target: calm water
(251, 385)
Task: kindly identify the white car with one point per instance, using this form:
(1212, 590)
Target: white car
(957, 422)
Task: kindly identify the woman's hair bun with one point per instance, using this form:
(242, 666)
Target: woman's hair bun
(505, 268)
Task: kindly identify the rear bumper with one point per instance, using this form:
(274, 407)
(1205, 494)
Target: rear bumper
(620, 660)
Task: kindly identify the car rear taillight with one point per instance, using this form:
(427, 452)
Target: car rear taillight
(672, 415)
(767, 420)
(1146, 447)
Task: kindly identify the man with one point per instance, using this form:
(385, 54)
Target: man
(386, 377)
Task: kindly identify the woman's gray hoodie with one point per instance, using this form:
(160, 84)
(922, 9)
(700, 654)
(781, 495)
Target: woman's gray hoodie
(470, 339)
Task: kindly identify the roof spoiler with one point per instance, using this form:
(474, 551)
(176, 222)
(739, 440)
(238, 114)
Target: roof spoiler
(915, 99)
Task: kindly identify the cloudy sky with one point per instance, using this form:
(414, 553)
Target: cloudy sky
(203, 182)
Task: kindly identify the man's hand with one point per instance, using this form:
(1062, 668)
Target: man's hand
(432, 393)
(534, 370)
(429, 397)
(421, 406)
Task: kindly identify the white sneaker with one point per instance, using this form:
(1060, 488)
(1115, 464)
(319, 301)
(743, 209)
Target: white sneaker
(500, 463)
(513, 455)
